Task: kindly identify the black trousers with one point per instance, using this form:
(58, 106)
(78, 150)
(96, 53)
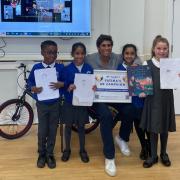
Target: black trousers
(130, 114)
(48, 117)
(81, 133)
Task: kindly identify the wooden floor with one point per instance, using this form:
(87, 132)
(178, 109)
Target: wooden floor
(18, 160)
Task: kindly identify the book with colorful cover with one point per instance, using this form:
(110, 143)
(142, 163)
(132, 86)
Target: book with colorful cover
(140, 80)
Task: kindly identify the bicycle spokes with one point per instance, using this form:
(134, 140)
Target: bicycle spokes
(15, 118)
(17, 114)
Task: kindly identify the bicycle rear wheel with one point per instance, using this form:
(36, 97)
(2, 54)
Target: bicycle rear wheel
(93, 122)
(16, 118)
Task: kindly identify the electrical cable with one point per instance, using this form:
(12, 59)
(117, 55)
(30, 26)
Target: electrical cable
(2, 51)
(4, 43)
(18, 81)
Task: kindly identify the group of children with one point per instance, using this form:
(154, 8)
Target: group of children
(151, 115)
(49, 111)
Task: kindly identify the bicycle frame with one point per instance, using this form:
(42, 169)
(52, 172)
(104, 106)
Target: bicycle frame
(20, 105)
(22, 98)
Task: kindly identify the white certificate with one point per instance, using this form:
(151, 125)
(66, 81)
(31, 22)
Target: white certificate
(112, 86)
(83, 95)
(43, 78)
(170, 73)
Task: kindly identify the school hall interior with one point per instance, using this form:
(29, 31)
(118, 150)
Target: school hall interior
(128, 21)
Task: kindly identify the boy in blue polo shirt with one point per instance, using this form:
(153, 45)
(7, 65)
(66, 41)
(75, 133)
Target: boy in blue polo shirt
(48, 110)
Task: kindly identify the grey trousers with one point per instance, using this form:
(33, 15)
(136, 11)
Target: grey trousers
(48, 117)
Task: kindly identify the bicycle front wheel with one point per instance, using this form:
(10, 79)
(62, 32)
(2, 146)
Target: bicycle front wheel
(16, 118)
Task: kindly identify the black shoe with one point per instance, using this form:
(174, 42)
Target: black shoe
(143, 154)
(41, 161)
(165, 159)
(84, 156)
(150, 162)
(51, 162)
(66, 155)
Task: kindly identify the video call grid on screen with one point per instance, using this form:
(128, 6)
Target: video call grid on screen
(45, 17)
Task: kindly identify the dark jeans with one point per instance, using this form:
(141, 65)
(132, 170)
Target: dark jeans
(129, 114)
(48, 117)
(106, 121)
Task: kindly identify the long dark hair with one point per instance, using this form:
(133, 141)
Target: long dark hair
(129, 46)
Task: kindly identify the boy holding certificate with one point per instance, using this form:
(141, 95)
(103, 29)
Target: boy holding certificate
(74, 114)
(48, 109)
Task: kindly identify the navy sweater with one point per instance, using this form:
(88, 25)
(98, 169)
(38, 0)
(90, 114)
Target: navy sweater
(69, 75)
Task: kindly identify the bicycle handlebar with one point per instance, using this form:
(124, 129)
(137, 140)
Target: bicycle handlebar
(22, 65)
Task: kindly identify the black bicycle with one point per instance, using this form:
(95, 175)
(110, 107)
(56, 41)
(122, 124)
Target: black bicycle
(16, 115)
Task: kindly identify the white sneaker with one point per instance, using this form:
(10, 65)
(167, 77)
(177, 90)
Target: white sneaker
(110, 167)
(123, 146)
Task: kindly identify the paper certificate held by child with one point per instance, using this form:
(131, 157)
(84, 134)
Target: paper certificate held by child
(170, 73)
(43, 78)
(140, 81)
(83, 95)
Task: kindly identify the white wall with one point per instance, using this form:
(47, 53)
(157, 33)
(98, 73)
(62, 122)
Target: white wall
(115, 17)
(154, 22)
(176, 47)
(127, 23)
(8, 90)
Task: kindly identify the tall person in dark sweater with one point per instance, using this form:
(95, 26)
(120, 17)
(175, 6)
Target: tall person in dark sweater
(48, 110)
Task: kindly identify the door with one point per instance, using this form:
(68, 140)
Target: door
(176, 48)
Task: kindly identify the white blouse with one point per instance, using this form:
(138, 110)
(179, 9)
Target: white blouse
(154, 61)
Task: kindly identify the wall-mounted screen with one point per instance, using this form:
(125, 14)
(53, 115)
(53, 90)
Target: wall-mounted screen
(40, 18)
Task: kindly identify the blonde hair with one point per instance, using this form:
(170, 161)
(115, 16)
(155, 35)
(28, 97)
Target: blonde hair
(158, 39)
